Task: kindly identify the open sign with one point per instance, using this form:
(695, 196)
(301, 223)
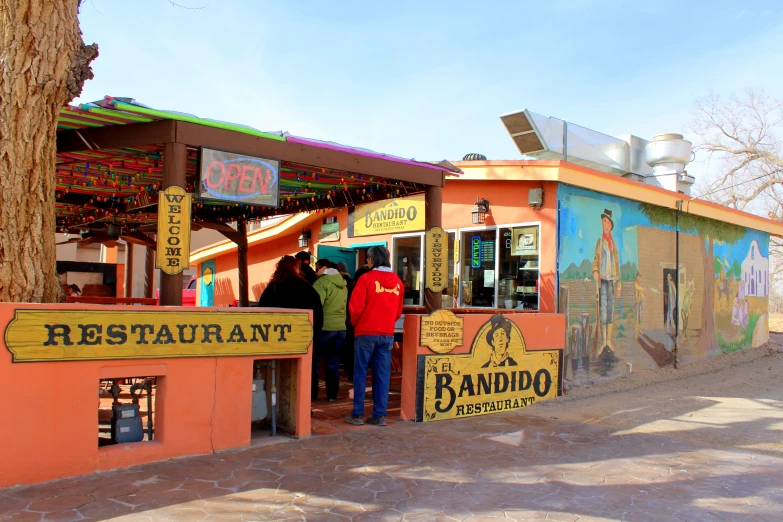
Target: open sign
(238, 178)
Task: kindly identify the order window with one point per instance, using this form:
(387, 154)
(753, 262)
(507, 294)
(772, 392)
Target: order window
(478, 268)
(407, 265)
(518, 282)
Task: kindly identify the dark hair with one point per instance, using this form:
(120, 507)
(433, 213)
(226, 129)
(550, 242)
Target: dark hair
(304, 256)
(360, 272)
(379, 255)
(498, 322)
(342, 267)
(638, 274)
(323, 262)
(287, 267)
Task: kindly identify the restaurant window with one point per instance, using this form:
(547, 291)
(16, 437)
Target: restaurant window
(478, 268)
(407, 264)
(452, 287)
(518, 282)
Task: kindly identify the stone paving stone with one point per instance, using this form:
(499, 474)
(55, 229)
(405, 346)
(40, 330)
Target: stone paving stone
(506, 467)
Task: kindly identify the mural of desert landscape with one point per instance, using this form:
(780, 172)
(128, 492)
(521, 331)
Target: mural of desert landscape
(628, 302)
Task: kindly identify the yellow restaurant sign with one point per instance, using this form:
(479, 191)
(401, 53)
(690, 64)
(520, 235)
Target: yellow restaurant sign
(435, 266)
(497, 375)
(80, 335)
(387, 217)
(173, 250)
(441, 331)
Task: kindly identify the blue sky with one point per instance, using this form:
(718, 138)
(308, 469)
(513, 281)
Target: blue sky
(430, 79)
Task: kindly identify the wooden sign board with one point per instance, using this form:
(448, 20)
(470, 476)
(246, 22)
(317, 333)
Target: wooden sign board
(441, 331)
(173, 251)
(81, 335)
(435, 262)
(239, 178)
(498, 375)
(387, 217)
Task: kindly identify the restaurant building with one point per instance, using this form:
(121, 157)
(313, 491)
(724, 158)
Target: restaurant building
(528, 236)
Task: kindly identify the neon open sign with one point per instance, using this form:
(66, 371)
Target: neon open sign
(475, 250)
(238, 178)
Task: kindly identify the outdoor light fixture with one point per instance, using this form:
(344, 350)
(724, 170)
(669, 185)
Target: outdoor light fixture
(480, 211)
(304, 239)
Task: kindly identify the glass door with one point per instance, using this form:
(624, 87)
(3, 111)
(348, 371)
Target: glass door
(478, 268)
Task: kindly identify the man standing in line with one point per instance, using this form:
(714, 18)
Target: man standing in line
(304, 266)
(606, 273)
(376, 304)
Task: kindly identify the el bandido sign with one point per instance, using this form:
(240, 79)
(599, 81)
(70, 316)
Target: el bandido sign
(64, 335)
(237, 178)
(499, 374)
(387, 217)
(173, 249)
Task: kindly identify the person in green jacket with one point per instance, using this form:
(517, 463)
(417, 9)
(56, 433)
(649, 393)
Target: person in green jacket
(333, 290)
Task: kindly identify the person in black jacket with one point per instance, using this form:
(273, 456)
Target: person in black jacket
(287, 289)
(306, 271)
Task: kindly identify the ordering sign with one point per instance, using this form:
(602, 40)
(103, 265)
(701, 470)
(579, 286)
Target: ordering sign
(238, 178)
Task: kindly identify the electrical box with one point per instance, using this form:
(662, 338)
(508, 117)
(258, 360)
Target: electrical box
(535, 197)
(126, 423)
(258, 411)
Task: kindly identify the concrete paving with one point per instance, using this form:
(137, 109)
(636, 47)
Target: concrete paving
(510, 466)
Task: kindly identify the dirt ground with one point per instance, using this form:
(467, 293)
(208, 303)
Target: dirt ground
(731, 400)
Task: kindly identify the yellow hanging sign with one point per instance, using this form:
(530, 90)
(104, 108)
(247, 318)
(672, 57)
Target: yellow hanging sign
(387, 217)
(435, 260)
(498, 375)
(173, 249)
(82, 335)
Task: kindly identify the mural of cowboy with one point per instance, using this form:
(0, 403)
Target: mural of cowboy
(606, 273)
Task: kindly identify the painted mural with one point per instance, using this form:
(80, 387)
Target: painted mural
(627, 301)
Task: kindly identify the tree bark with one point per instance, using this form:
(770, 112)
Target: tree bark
(44, 66)
(707, 340)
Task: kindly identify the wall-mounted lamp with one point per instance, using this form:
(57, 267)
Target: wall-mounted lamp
(304, 239)
(480, 211)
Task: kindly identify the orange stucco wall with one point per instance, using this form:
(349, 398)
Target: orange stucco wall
(50, 409)
(508, 205)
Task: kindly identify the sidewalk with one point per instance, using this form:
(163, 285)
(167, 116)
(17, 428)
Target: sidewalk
(504, 466)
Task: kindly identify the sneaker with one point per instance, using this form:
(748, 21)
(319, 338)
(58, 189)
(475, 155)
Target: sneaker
(376, 421)
(356, 420)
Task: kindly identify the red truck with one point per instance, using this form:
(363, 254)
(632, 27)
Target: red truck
(188, 294)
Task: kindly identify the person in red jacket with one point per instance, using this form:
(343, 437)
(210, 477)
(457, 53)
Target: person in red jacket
(376, 304)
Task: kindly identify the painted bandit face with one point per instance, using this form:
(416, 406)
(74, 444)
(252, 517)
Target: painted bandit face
(500, 341)
(606, 224)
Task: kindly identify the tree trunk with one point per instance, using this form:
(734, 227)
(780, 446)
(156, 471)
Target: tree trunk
(44, 65)
(707, 340)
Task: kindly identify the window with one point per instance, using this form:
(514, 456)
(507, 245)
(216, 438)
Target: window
(518, 268)
(406, 262)
(478, 268)
(126, 410)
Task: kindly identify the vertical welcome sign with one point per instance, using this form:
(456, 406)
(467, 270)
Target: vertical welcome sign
(173, 251)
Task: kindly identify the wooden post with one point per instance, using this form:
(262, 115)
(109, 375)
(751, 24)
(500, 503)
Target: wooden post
(128, 269)
(174, 164)
(149, 273)
(433, 205)
(242, 264)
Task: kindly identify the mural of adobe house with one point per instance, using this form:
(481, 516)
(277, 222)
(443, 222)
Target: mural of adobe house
(656, 258)
(755, 271)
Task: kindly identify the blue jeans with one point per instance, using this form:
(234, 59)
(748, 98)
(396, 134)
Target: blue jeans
(372, 351)
(329, 345)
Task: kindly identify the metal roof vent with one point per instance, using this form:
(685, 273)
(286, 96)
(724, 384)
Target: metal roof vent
(473, 156)
(668, 154)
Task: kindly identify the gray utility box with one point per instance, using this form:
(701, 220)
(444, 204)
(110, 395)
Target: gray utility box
(126, 423)
(259, 401)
